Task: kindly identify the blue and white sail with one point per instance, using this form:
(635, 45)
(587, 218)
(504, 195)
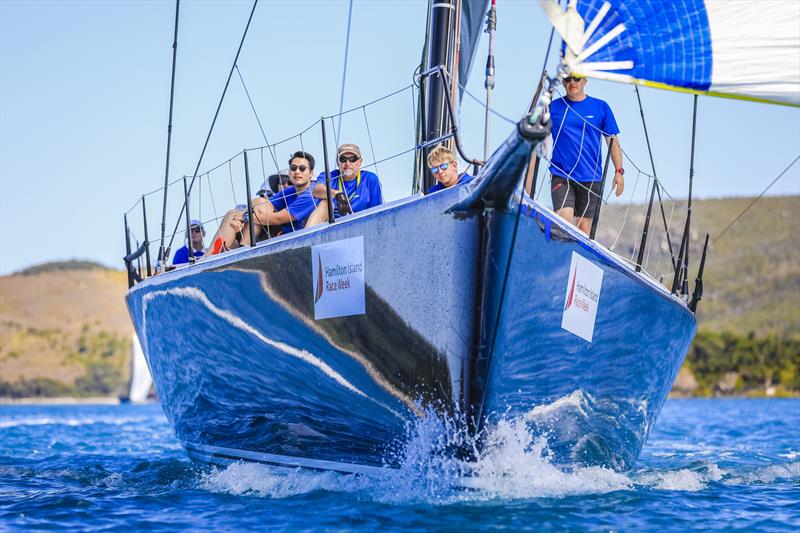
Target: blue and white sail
(745, 50)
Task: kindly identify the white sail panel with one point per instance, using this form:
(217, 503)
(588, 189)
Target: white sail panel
(141, 380)
(756, 49)
(746, 49)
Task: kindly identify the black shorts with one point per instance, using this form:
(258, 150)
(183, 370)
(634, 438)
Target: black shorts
(581, 196)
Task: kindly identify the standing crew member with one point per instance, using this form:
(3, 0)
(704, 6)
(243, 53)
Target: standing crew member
(576, 165)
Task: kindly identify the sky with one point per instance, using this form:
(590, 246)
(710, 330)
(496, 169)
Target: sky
(84, 102)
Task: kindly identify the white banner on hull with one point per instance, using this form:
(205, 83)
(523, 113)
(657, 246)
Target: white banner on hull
(338, 278)
(582, 297)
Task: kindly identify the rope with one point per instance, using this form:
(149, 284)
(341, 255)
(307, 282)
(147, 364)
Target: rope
(773, 182)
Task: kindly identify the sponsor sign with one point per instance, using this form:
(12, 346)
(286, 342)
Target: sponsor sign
(582, 297)
(338, 274)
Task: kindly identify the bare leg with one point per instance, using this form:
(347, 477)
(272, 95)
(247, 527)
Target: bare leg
(262, 208)
(567, 213)
(319, 215)
(585, 225)
(231, 224)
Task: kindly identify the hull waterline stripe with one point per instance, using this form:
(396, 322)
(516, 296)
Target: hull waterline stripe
(208, 453)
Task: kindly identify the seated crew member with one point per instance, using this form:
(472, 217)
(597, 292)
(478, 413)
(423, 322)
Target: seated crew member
(288, 209)
(291, 206)
(274, 183)
(198, 232)
(444, 167)
(354, 189)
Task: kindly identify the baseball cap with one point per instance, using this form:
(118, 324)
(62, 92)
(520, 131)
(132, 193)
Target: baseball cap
(349, 148)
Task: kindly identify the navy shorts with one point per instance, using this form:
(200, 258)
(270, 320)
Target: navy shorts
(579, 195)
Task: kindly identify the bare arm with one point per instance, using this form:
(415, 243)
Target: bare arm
(616, 158)
(321, 193)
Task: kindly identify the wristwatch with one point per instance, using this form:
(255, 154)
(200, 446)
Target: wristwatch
(620, 170)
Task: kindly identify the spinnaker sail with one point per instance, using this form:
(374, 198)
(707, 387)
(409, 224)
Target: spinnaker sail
(746, 49)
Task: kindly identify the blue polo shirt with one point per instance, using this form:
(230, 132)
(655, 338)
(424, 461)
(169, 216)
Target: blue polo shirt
(182, 255)
(577, 128)
(463, 178)
(363, 192)
(300, 206)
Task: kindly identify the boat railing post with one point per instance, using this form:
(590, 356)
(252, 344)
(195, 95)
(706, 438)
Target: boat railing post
(646, 227)
(328, 197)
(250, 224)
(146, 239)
(127, 251)
(602, 187)
(677, 280)
(188, 221)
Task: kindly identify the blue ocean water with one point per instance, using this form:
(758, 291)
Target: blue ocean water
(709, 464)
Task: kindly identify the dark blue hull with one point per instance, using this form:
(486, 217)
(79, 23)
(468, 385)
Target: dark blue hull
(462, 314)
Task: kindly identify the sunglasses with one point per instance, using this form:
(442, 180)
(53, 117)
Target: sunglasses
(293, 168)
(437, 169)
(196, 230)
(350, 159)
(570, 79)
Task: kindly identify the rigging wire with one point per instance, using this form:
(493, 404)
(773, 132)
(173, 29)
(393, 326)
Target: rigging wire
(344, 70)
(216, 114)
(757, 198)
(253, 107)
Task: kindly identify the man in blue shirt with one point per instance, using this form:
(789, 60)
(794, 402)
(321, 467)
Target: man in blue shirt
(354, 189)
(198, 233)
(444, 167)
(579, 121)
(290, 207)
(285, 211)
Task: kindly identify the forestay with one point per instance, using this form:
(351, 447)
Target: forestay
(746, 50)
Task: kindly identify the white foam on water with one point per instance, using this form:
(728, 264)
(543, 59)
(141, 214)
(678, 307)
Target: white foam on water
(262, 480)
(766, 474)
(684, 479)
(513, 463)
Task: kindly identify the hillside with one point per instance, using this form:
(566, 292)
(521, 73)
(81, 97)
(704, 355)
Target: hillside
(752, 274)
(64, 329)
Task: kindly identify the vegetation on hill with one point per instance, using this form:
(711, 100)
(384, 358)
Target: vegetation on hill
(727, 363)
(58, 266)
(64, 332)
(64, 329)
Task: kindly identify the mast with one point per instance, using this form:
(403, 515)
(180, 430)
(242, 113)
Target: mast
(440, 52)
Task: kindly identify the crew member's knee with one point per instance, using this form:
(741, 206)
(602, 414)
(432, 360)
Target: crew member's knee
(318, 216)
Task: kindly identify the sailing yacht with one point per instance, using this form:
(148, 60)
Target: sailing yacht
(321, 347)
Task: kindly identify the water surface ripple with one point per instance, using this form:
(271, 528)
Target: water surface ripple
(709, 464)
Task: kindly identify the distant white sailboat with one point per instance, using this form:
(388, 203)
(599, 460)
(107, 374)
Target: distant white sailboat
(141, 381)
